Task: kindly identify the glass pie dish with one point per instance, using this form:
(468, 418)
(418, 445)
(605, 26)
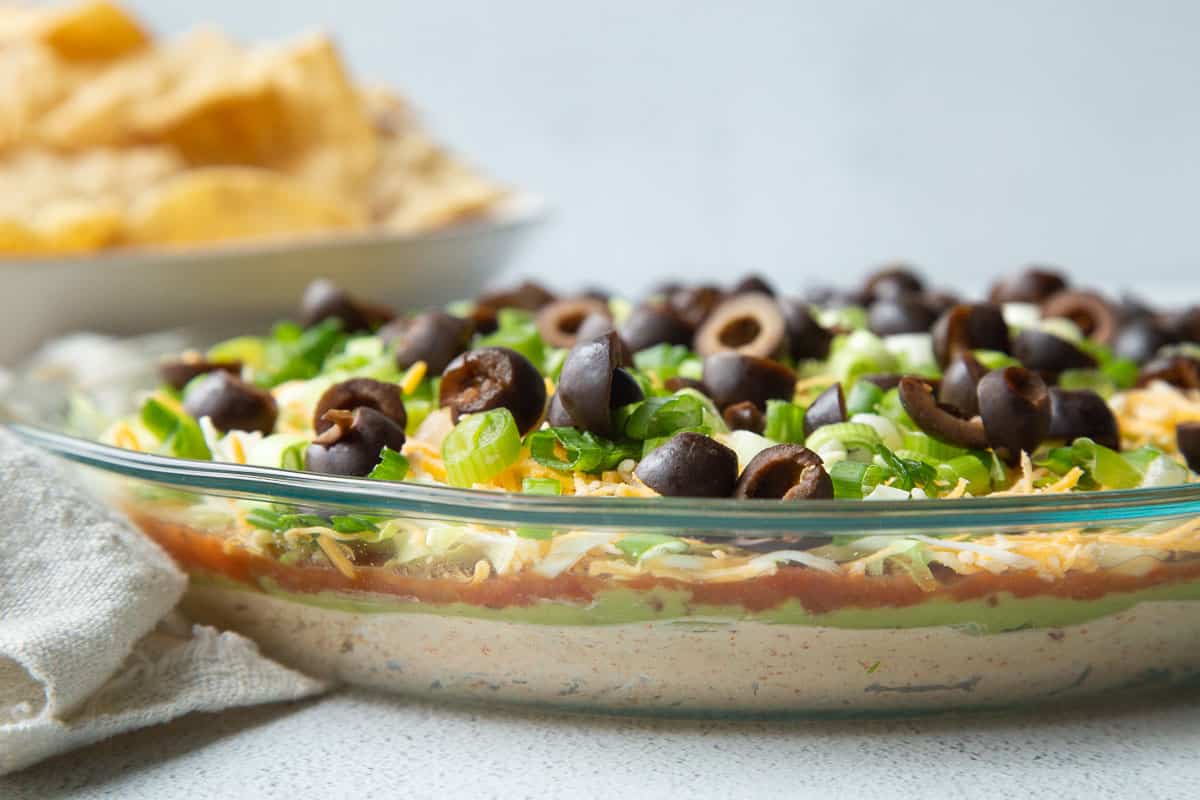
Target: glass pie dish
(678, 606)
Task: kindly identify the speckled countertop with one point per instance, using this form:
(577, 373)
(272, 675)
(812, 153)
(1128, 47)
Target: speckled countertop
(360, 745)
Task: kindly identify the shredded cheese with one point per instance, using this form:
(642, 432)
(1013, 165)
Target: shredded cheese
(333, 551)
(413, 377)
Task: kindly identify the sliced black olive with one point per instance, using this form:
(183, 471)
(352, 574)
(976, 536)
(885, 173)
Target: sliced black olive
(694, 304)
(902, 313)
(756, 284)
(1187, 438)
(892, 281)
(557, 416)
(1031, 285)
(527, 296)
(231, 403)
(680, 382)
(826, 297)
(1185, 326)
(938, 421)
(1141, 338)
(939, 303)
(1015, 407)
(1082, 413)
(360, 393)
(829, 408)
(1049, 354)
(177, 373)
(494, 377)
(959, 386)
(559, 322)
(353, 441)
(733, 378)
(751, 324)
(597, 293)
(977, 326)
(654, 323)
(484, 318)
(594, 325)
(690, 465)
(744, 416)
(785, 472)
(591, 384)
(1180, 371)
(323, 300)
(434, 337)
(1094, 315)
(806, 338)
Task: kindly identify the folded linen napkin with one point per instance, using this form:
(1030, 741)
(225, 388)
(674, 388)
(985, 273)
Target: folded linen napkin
(89, 643)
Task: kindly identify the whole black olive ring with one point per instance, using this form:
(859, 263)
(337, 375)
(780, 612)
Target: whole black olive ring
(1015, 407)
(891, 282)
(690, 465)
(358, 393)
(750, 324)
(560, 322)
(494, 377)
(785, 472)
(231, 403)
(1094, 315)
(917, 398)
(592, 385)
(904, 313)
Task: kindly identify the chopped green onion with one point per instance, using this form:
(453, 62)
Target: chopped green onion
(516, 330)
(546, 486)
(647, 545)
(480, 447)
(994, 359)
(294, 354)
(712, 416)
(979, 481)
(263, 518)
(1141, 458)
(663, 360)
(1092, 379)
(1122, 372)
(250, 350)
(1105, 466)
(417, 410)
(891, 407)
(179, 432)
(391, 467)
(848, 434)
(784, 422)
(352, 524)
(656, 417)
(553, 364)
(584, 451)
(853, 479)
(541, 486)
(930, 447)
(863, 398)
(909, 473)
(860, 353)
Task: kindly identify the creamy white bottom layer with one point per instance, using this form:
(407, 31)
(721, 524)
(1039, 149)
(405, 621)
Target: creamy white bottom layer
(712, 665)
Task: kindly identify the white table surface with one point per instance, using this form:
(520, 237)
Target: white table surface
(362, 745)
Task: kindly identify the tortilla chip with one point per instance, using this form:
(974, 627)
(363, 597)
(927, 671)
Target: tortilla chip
(86, 31)
(216, 204)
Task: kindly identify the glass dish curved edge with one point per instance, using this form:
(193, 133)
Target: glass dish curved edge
(716, 517)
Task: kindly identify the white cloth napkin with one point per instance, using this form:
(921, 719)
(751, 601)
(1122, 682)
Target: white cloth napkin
(89, 643)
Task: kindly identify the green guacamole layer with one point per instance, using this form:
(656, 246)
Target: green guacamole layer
(618, 606)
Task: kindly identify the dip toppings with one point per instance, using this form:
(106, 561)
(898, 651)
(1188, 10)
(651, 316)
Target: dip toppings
(890, 391)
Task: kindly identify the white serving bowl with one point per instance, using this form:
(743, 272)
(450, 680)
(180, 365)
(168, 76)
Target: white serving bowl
(241, 283)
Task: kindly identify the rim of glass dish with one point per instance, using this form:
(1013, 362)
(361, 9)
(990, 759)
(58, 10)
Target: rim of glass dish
(736, 517)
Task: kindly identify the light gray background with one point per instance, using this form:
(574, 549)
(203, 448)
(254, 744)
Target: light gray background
(803, 138)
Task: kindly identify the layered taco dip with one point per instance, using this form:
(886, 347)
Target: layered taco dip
(859, 409)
